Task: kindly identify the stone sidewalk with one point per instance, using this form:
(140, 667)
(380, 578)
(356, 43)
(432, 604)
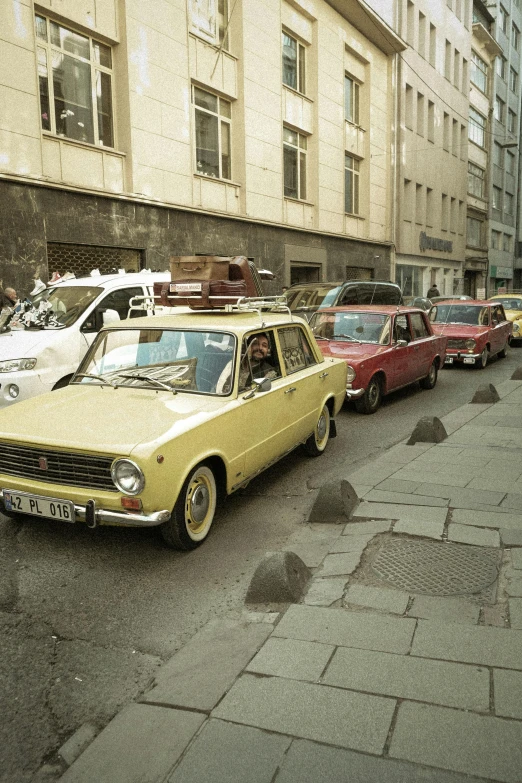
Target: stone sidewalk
(371, 677)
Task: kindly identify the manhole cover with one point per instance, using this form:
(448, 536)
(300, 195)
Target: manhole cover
(436, 568)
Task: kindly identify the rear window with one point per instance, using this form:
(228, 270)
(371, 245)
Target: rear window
(302, 298)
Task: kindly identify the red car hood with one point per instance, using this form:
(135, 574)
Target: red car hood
(351, 351)
(459, 330)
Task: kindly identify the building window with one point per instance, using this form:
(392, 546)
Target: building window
(497, 154)
(496, 239)
(419, 211)
(429, 207)
(444, 212)
(512, 121)
(456, 69)
(294, 155)
(408, 107)
(407, 200)
(506, 243)
(515, 37)
(351, 100)
(410, 23)
(431, 121)
(293, 64)
(476, 127)
(474, 232)
(351, 184)
(209, 20)
(501, 67)
(420, 114)
(422, 34)
(502, 19)
(75, 80)
(513, 79)
(510, 162)
(497, 198)
(212, 122)
(453, 215)
(447, 61)
(475, 180)
(433, 45)
(509, 204)
(446, 132)
(499, 109)
(479, 72)
(455, 138)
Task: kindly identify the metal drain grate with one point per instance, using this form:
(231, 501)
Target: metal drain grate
(436, 568)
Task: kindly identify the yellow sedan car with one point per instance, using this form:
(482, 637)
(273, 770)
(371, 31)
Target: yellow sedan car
(166, 414)
(513, 309)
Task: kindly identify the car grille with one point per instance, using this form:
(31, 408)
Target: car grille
(76, 470)
(456, 344)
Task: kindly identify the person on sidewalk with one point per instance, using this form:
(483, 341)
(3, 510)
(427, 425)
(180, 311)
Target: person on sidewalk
(8, 297)
(433, 291)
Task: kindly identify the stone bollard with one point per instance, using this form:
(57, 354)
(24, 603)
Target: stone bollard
(517, 375)
(335, 503)
(429, 429)
(280, 577)
(486, 393)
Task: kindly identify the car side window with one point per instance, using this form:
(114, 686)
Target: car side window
(497, 314)
(418, 326)
(259, 358)
(484, 318)
(295, 349)
(349, 296)
(401, 329)
(119, 300)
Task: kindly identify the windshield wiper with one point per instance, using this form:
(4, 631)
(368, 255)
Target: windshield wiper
(96, 378)
(322, 337)
(150, 380)
(348, 337)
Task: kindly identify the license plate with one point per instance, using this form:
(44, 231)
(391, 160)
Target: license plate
(185, 288)
(469, 360)
(448, 360)
(50, 508)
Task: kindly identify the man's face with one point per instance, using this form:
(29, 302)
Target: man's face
(259, 348)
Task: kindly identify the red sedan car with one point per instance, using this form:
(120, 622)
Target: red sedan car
(385, 347)
(475, 330)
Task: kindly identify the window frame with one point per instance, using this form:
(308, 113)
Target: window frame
(499, 109)
(479, 65)
(470, 236)
(46, 71)
(211, 26)
(352, 184)
(300, 63)
(300, 149)
(515, 37)
(353, 100)
(479, 128)
(513, 79)
(221, 120)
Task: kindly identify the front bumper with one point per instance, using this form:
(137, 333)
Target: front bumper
(459, 356)
(93, 516)
(353, 394)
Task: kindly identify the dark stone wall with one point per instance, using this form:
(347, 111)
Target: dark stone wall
(31, 216)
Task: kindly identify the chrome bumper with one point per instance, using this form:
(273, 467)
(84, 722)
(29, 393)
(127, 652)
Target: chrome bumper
(352, 394)
(459, 355)
(93, 516)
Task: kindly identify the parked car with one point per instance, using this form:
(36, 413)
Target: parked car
(66, 318)
(512, 304)
(450, 297)
(161, 418)
(418, 301)
(475, 330)
(305, 298)
(385, 348)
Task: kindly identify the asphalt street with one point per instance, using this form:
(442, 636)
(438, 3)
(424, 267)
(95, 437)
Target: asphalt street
(87, 617)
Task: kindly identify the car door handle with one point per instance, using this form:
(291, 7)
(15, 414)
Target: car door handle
(291, 389)
(324, 375)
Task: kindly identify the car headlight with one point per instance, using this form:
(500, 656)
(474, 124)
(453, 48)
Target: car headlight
(516, 327)
(351, 374)
(470, 345)
(15, 365)
(127, 477)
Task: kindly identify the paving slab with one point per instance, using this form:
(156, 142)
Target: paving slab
(200, 673)
(459, 741)
(498, 484)
(401, 453)
(341, 564)
(463, 516)
(419, 473)
(292, 658)
(371, 474)
(512, 500)
(515, 612)
(516, 558)
(227, 753)
(476, 536)
(507, 689)
(311, 554)
(406, 677)
(396, 485)
(461, 497)
(324, 592)
(392, 601)
(310, 761)
(420, 527)
(514, 586)
(400, 511)
(485, 646)
(378, 496)
(340, 627)
(140, 745)
(351, 544)
(317, 712)
(371, 527)
(448, 609)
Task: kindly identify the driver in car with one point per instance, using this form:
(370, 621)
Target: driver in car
(254, 363)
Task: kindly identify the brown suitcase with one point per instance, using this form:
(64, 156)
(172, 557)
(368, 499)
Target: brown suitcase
(240, 270)
(223, 292)
(199, 267)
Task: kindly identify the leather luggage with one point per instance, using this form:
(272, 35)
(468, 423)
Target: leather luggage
(223, 292)
(199, 268)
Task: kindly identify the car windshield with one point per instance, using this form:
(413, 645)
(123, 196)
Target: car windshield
(304, 298)
(173, 359)
(67, 303)
(510, 303)
(458, 314)
(352, 327)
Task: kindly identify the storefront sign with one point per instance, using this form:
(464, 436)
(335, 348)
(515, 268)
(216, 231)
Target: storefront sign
(502, 272)
(434, 243)
(481, 293)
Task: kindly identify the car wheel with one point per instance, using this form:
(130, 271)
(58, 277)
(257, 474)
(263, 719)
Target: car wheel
(317, 442)
(431, 379)
(483, 359)
(503, 353)
(371, 399)
(193, 512)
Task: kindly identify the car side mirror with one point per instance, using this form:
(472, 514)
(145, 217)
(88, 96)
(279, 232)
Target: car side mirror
(401, 344)
(259, 385)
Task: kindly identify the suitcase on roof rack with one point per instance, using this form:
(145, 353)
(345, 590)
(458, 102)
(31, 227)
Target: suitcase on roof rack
(199, 267)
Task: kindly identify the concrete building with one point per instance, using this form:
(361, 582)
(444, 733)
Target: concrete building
(484, 50)
(433, 108)
(133, 131)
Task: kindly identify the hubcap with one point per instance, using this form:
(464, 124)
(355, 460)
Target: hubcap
(321, 427)
(199, 503)
(373, 393)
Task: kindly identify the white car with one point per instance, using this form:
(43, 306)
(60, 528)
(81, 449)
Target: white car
(37, 360)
